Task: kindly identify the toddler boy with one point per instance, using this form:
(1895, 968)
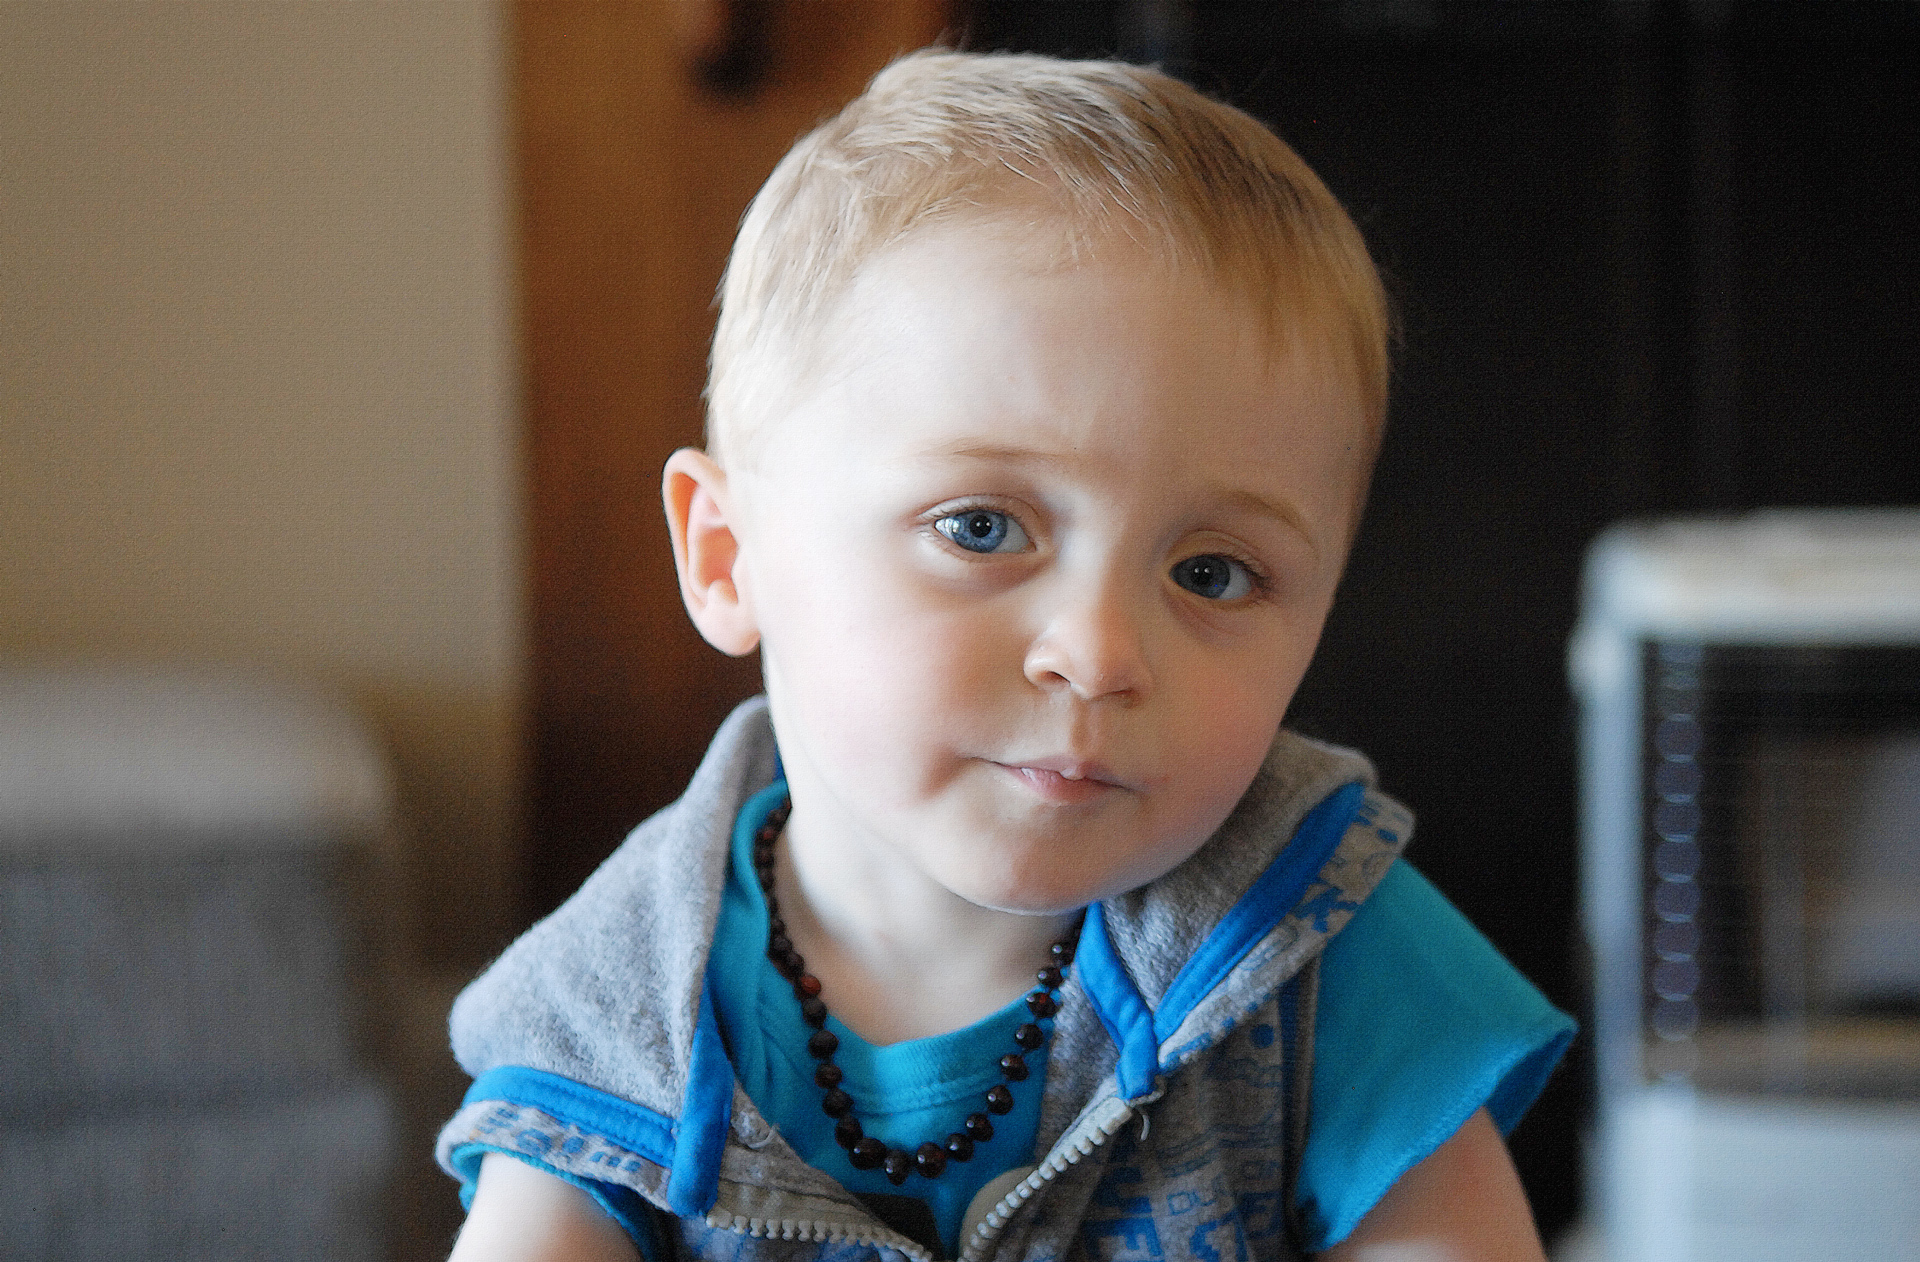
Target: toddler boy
(1011, 924)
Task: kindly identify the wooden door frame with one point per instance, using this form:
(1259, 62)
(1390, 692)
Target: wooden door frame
(643, 129)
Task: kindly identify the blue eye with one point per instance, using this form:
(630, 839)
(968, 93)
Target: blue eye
(983, 530)
(1215, 577)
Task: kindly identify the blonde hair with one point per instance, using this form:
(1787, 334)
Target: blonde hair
(1109, 149)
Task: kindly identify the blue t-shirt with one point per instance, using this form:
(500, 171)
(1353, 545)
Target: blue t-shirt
(1420, 1022)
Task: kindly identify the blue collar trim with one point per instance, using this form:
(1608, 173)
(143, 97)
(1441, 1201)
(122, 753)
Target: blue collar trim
(693, 1184)
(1117, 1002)
(1138, 1031)
(1277, 891)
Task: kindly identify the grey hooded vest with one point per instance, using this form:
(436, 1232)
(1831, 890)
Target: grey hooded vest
(1174, 1112)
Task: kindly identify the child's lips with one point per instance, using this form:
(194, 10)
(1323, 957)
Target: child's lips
(1066, 780)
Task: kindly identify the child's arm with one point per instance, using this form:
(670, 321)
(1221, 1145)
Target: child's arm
(1462, 1204)
(521, 1214)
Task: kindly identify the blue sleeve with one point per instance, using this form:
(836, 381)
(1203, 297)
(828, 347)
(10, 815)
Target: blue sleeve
(1420, 1022)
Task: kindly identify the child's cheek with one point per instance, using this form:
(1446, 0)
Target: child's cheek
(897, 689)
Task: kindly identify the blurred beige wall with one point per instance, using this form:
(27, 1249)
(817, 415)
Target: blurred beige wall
(257, 386)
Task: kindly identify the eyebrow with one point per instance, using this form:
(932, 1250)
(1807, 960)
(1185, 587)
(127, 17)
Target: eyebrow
(1279, 510)
(1250, 501)
(992, 451)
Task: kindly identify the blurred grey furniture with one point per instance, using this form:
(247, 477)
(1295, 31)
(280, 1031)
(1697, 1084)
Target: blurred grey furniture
(190, 941)
(1750, 696)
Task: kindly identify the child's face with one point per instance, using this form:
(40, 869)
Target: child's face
(1038, 564)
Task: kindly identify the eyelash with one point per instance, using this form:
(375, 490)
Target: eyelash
(948, 512)
(1257, 578)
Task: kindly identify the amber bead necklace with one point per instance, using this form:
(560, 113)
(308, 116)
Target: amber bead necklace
(865, 1152)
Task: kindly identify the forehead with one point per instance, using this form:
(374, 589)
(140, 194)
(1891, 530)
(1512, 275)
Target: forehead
(977, 311)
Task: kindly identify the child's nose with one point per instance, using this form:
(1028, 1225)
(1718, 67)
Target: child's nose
(1093, 648)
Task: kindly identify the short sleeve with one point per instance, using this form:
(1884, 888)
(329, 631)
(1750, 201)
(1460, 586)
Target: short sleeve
(1420, 1022)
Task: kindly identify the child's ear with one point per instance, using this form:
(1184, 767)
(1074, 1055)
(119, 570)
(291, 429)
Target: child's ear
(706, 551)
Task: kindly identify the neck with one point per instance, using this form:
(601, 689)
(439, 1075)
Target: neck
(899, 956)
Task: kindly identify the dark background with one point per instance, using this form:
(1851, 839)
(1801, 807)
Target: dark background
(1650, 258)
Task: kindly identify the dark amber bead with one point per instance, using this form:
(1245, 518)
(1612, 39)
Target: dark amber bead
(822, 1044)
(930, 1159)
(827, 1075)
(980, 1127)
(847, 1132)
(1062, 953)
(808, 984)
(836, 1102)
(1029, 1036)
(898, 1166)
(778, 944)
(1041, 1004)
(1013, 1067)
(867, 1154)
(813, 1012)
(999, 1100)
(960, 1147)
(1050, 977)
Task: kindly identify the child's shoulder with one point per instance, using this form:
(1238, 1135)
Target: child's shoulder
(632, 939)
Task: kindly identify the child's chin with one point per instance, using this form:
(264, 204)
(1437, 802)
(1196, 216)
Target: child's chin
(1031, 895)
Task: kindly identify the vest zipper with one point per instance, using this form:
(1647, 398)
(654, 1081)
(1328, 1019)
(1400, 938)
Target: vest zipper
(816, 1230)
(1104, 1123)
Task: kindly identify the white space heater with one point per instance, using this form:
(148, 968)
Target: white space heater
(1750, 747)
